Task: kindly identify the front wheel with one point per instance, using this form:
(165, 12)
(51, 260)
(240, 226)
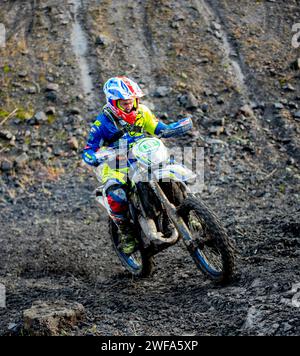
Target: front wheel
(210, 246)
(139, 263)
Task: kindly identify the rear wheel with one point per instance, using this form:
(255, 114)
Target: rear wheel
(210, 246)
(139, 263)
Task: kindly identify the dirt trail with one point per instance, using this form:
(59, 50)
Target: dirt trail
(54, 243)
(80, 48)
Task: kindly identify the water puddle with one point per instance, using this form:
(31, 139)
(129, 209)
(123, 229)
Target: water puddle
(80, 47)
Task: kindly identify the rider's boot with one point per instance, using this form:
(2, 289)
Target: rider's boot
(127, 238)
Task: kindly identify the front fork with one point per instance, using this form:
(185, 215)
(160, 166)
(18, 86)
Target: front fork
(175, 217)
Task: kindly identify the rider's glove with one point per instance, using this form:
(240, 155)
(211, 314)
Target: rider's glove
(177, 128)
(89, 157)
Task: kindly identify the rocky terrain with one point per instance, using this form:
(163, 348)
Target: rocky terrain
(234, 65)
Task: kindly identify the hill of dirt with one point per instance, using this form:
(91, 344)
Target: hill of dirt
(234, 66)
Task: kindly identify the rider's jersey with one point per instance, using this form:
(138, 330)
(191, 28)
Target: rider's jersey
(106, 130)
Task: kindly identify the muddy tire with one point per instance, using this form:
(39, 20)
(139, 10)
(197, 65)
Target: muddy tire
(174, 191)
(139, 264)
(210, 248)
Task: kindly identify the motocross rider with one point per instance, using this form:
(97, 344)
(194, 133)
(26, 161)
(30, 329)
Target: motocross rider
(123, 117)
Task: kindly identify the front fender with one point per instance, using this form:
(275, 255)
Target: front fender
(176, 172)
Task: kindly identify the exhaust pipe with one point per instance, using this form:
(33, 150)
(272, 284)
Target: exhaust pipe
(149, 228)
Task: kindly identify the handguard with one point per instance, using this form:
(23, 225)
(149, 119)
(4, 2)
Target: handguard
(90, 158)
(97, 158)
(177, 128)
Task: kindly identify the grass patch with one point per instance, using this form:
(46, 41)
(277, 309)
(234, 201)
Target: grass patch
(61, 136)
(51, 119)
(24, 114)
(3, 113)
(6, 68)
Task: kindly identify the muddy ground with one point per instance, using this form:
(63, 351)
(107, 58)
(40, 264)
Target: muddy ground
(233, 66)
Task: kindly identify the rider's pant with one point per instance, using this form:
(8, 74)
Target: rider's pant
(118, 204)
(114, 183)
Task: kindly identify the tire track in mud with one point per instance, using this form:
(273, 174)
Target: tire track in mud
(230, 54)
(234, 66)
(21, 23)
(251, 92)
(130, 49)
(79, 41)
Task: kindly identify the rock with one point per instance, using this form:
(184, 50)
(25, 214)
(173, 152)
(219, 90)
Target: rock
(40, 117)
(202, 60)
(57, 151)
(25, 148)
(52, 318)
(31, 90)
(288, 87)
(216, 130)
(6, 165)
(182, 100)
(297, 115)
(7, 135)
(286, 327)
(291, 161)
(188, 101)
(207, 122)
(23, 74)
(284, 101)
(178, 17)
(46, 155)
(21, 160)
(293, 105)
(51, 96)
(73, 143)
(79, 97)
(102, 40)
(75, 111)
(174, 24)
(218, 34)
(50, 110)
(254, 315)
(191, 102)
(257, 283)
(52, 87)
(161, 91)
(216, 26)
(204, 107)
(278, 106)
(297, 63)
(247, 111)
(12, 326)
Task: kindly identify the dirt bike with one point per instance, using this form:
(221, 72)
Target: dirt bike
(163, 211)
